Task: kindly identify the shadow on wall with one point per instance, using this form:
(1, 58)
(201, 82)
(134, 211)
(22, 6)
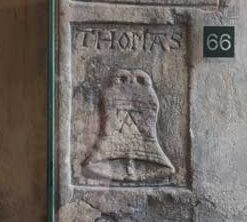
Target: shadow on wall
(23, 52)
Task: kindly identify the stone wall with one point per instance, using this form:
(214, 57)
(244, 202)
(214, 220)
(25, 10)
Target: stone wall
(148, 129)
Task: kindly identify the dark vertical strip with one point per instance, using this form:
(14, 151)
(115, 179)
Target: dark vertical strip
(51, 115)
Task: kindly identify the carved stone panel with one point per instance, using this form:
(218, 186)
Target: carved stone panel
(130, 105)
(147, 129)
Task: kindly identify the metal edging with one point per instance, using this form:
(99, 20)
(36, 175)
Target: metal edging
(51, 114)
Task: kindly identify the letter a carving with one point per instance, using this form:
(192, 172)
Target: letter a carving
(127, 123)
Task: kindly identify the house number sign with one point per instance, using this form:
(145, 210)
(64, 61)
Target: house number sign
(219, 41)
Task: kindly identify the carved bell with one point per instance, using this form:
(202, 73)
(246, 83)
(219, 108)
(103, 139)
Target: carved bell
(127, 148)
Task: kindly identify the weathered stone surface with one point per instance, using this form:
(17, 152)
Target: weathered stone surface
(127, 147)
(116, 104)
(148, 130)
(132, 205)
(184, 3)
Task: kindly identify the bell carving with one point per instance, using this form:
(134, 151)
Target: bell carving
(127, 148)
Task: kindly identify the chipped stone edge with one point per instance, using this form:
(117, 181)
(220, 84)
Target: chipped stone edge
(206, 4)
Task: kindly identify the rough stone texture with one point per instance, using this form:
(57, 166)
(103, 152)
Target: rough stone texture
(128, 72)
(219, 126)
(184, 3)
(114, 117)
(127, 147)
(125, 205)
(23, 49)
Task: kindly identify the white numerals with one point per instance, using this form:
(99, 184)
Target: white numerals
(222, 41)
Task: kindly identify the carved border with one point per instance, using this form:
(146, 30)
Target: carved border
(170, 3)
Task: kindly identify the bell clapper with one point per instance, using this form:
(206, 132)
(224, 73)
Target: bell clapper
(131, 167)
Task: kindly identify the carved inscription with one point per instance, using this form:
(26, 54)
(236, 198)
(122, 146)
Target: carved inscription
(130, 41)
(130, 105)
